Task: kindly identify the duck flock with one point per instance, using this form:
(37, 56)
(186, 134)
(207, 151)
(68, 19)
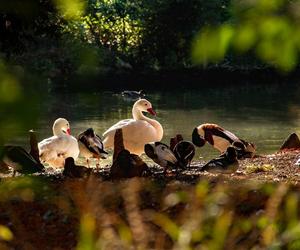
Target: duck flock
(129, 139)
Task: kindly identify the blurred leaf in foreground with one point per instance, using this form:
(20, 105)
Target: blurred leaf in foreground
(269, 29)
(25, 188)
(71, 9)
(87, 230)
(5, 233)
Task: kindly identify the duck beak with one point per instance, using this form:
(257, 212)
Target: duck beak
(151, 111)
(170, 157)
(69, 131)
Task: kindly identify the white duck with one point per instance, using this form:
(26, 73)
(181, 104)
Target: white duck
(54, 150)
(137, 131)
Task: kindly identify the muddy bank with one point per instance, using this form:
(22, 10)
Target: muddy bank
(50, 211)
(277, 167)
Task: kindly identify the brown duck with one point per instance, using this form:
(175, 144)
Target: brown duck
(125, 164)
(75, 171)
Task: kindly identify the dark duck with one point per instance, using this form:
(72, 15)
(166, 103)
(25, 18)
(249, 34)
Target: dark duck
(125, 164)
(134, 95)
(184, 151)
(225, 163)
(221, 139)
(161, 154)
(75, 171)
(20, 160)
(91, 146)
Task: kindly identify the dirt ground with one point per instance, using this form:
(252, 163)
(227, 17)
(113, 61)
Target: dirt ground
(277, 167)
(48, 219)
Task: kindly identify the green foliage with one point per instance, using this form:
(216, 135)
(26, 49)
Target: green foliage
(269, 28)
(170, 26)
(70, 9)
(122, 34)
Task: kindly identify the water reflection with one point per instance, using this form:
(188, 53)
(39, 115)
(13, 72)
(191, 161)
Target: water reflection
(257, 113)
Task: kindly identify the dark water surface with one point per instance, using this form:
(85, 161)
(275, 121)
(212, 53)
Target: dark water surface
(264, 115)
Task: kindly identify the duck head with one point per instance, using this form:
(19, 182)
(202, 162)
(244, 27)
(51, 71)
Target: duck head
(231, 154)
(61, 126)
(143, 105)
(160, 153)
(75, 171)
(124, 159)
(244, 149)
(142, 93)
(250, 147)
(197, 139)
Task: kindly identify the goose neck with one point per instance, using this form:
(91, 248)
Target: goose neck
(57, 130)
(138, 115)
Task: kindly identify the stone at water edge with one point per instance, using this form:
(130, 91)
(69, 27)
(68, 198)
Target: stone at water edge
(292, 142)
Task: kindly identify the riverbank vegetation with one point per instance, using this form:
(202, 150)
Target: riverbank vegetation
(100, 36)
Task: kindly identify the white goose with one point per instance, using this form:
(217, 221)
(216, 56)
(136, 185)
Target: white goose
(137, 131)
(54, 150)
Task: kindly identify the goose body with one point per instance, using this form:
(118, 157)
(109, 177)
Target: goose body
(137, 131)
(225, 163)
(61, 145)
(219, 138)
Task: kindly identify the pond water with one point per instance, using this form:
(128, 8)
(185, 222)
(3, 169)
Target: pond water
(264, 115)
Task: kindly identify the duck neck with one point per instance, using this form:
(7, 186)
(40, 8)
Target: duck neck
(57, 130)
(138, 115)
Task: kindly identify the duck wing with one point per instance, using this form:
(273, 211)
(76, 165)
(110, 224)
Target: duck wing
(92, 143)
(119, 125)
(18, 158)
(57, 146)
(216, 165)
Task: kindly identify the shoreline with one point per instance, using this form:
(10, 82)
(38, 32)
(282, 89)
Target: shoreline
(275, 168)
(170, 79)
